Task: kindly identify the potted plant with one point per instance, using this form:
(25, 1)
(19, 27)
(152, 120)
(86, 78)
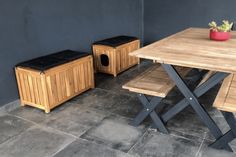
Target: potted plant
(222, 32)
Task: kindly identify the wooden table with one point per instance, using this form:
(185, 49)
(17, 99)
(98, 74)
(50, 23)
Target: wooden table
(192, 48)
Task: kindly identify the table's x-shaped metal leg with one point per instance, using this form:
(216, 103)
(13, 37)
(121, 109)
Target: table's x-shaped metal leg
(191, 99)
(230, 135)
(149, 110)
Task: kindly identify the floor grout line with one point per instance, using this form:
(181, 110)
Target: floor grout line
(144, 134)
(200, 147)
(43, 126)
(63, 147)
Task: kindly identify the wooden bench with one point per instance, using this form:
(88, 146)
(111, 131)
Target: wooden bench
(155, 82)
(226, 103)
(226, 97)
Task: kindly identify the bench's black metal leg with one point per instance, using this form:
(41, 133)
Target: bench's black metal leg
(149, 109)
(193, 101)
(199, 91)
(174, 110)
(158, 123)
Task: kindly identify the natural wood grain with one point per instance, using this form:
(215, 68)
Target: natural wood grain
(154, 81)
(119, 59)
(56, 85)
(226, 97)
(193, 48)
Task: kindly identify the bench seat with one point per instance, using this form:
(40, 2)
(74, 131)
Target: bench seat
(154, 81)
(226, 97)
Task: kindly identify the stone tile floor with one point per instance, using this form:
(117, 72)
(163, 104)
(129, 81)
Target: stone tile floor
(96, 124)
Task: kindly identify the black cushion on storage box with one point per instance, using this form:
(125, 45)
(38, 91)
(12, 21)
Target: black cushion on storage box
(46, 62)
(116, 41)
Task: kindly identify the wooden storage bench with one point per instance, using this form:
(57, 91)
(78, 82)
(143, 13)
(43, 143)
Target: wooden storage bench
(48, 81)
(111, 56)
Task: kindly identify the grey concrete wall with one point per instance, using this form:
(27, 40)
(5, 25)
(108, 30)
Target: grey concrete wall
(165, 17)
(32, 28)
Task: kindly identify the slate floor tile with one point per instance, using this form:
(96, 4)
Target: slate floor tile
(11, 126)
(76, 121)
(35, 142)
(83, 148)
(187, 123)
(129, 108)
(160, 145)
(101, 99)
(116, 133)
(37, 115)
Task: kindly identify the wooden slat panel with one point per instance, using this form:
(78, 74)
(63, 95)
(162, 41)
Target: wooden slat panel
(59, 87)
(63, 84)
(75, 74)
(54, 88)
(31, 89)
(49, 90)
(36, 92)
(154, 81)
(27, 88)
(21, 86)
(40, 90)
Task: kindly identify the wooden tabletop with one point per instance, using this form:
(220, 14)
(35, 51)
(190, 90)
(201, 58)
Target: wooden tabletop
(193, 48)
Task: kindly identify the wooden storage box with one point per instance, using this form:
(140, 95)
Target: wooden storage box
(48, 81)
(111, 56)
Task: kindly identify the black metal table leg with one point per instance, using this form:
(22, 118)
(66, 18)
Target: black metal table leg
(193, 101)
(230, 135)
(199, 91)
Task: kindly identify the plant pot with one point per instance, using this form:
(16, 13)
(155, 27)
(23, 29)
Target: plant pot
(219, 36)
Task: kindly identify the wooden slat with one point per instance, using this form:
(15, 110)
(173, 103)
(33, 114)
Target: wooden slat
(40, 90)
(154, 81)
(193, 48)
(36, 92)
(226, 97)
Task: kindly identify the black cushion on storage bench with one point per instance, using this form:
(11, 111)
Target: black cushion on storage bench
(49, 61)
(116, 41)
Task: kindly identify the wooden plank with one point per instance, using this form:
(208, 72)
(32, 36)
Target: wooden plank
(31, 89)
(154, 81)
(193, 48)
(59, 87)
(20, 86)
(36, 92)
(40, 90)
